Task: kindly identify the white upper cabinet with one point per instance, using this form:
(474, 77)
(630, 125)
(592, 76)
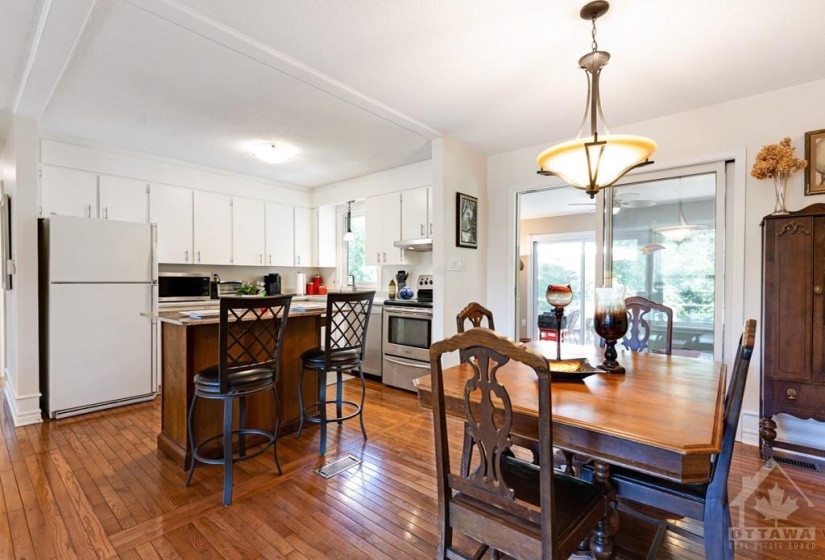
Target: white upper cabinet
(303, 236)
(248, 231)
(68, 192)
(123, 199)
(429, 212)
(383, 229)
(171, 209)
(213, 228)
(414, 218)
(280, 235)
(325, 245)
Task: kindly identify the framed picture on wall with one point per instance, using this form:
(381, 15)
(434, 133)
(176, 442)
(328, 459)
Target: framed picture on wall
(466, 222)
(815, 154)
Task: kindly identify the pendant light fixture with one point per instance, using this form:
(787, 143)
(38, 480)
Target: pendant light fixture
(600, 159)
(349, 236)
(680, 231)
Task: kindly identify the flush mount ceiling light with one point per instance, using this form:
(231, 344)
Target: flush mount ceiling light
(273, 153)
(349, 236)
(599, 160)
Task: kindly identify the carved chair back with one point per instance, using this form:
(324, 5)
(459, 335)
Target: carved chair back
(639, 312)
(475, 313)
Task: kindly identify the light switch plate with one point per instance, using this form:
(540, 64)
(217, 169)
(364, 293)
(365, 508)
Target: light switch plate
(455, 264)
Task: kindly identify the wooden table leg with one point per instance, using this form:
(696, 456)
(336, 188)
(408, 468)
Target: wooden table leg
(601, 542)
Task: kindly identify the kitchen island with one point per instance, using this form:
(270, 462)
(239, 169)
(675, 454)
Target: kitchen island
(190, 344)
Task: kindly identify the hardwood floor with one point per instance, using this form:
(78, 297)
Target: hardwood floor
(94, 486)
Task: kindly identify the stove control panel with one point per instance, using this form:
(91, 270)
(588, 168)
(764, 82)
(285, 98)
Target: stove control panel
(425, 281)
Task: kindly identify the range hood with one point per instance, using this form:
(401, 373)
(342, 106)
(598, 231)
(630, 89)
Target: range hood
(415, 244)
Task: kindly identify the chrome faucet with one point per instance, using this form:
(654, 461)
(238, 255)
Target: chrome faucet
(352, 277)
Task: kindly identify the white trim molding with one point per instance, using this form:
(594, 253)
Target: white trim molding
(23, 409)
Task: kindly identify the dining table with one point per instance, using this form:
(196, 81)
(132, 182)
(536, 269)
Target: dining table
(663, 416)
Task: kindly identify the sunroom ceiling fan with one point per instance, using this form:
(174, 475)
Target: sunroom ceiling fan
(620, 200)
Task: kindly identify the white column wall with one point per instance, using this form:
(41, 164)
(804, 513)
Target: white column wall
(19, 169)
(732, 130)
(457, 168)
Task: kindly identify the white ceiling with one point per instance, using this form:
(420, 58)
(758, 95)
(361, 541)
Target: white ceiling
(361, 86)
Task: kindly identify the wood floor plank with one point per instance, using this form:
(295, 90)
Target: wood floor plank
(95, 486)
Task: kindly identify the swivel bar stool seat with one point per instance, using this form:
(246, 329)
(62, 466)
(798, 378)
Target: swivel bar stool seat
(347, 319)
(250, 336)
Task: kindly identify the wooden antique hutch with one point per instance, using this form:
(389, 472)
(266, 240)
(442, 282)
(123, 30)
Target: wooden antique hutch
(793, 351)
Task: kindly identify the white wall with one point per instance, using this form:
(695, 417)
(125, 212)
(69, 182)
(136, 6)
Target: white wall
(19, 168)
(457, 168)
(733, 130)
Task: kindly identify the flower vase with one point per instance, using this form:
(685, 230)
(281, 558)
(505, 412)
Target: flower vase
(780, 181)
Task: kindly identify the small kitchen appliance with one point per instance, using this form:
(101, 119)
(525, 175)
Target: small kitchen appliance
(272, 284)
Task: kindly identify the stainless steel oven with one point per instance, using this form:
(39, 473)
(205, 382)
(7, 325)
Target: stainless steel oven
(406, 342)
(407, 333)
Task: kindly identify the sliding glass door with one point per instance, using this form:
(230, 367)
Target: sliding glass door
(663, 245)
(564, 259)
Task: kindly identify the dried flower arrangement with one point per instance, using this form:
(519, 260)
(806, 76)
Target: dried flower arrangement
(775, 159)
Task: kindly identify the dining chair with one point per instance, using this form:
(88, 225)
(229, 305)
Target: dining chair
(250, 336)
(639, 310)
(704, 502)
(475, 313)
(508, 505)
(347, 319)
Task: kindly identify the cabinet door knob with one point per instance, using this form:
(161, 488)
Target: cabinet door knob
(422, 230)
(818, 290)
(791, 394)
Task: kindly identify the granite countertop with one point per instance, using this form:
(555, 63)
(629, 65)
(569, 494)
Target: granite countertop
(201, 315)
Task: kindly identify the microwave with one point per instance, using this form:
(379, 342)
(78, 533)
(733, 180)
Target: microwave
(183, 286)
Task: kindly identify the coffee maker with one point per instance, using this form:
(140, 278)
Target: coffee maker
(272, 284)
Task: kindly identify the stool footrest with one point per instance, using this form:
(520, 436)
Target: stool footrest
(268, 442)
(317, 419)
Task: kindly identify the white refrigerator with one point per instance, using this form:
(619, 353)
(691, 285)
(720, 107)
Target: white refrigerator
(97, 350)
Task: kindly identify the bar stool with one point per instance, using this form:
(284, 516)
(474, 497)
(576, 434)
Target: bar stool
(347, 316)
(250, 336)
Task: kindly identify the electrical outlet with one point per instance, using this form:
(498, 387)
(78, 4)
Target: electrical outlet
(524, 322)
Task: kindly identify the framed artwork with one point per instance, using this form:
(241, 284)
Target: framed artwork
(815, 154)
(466, 221)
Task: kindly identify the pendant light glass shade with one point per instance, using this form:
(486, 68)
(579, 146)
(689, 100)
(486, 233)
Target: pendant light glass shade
(598, 160)
(349, 236)
(678, 232)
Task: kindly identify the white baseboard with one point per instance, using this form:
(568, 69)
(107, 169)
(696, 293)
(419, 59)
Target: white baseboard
(788, 428)
(24, 409)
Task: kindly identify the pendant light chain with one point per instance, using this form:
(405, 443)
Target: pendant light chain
(595, 45)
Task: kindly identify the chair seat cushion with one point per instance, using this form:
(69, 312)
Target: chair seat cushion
(573, 497)
(315, 358)
(207, 379)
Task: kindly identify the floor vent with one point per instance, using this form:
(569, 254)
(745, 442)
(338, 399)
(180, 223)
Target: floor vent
(797, 463)
(338, 466)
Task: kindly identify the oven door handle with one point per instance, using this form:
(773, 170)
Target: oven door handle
(409, 363)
